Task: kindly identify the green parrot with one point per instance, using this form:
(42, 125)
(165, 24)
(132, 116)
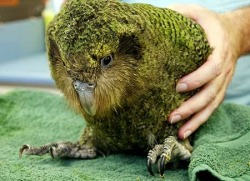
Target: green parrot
(117, 64)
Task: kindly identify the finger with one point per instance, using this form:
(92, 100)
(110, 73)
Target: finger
(208, 71)
(198, 101)
(213, 66)
(196, 121)
(188, 10)
(205, 18)
(200, 118)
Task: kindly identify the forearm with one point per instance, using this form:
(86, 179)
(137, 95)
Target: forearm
(240, 24)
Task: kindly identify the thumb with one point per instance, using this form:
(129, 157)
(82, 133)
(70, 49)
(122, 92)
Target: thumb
(188, 10)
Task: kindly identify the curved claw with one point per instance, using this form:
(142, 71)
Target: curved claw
(24, 147)
(51, 152)
(162, 163)
(149, 166)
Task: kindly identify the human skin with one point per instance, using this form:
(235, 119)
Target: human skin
(229, 35)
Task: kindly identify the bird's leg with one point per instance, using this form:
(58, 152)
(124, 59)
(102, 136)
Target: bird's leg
(60, 149)
(169, 151)
(82, 149)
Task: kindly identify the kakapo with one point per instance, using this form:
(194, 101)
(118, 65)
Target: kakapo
(117, 64)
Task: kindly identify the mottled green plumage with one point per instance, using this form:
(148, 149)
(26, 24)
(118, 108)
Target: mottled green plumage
(159, 45)
(151, 49)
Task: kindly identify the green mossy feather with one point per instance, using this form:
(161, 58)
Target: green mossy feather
(152, 48)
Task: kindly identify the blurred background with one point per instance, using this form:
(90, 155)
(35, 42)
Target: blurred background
(23, 61)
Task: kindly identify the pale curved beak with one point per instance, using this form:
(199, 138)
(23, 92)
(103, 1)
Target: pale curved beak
(86, 95)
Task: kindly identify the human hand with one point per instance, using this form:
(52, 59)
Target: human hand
(214, 76)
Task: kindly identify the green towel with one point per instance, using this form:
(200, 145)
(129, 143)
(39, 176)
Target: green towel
(221, 146)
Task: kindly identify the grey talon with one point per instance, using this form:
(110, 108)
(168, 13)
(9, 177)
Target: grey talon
(24, 147)
(149, 166)
(51, 152)
(162, 165)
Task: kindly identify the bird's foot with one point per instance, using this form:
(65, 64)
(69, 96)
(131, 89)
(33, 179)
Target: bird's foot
(60, 149)
(165, 153)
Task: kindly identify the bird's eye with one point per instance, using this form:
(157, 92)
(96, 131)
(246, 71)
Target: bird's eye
(106, 61)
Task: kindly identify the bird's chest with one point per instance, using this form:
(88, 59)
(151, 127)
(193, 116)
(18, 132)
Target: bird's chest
(127, 131)
(138, 125)
(121, 131)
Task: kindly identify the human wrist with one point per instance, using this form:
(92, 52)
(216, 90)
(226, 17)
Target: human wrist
(238, 22)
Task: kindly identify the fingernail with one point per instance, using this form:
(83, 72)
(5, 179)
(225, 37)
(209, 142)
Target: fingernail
(181, 87)
(187, 133)
(175, 119)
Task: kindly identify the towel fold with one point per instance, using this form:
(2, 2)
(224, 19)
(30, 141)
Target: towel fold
(221, 146)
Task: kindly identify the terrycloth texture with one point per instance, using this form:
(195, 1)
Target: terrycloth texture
(222, 146)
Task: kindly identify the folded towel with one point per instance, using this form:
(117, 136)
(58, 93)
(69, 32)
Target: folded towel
(221, 146)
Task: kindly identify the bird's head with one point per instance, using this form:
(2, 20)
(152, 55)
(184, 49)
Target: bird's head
(94, 54)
